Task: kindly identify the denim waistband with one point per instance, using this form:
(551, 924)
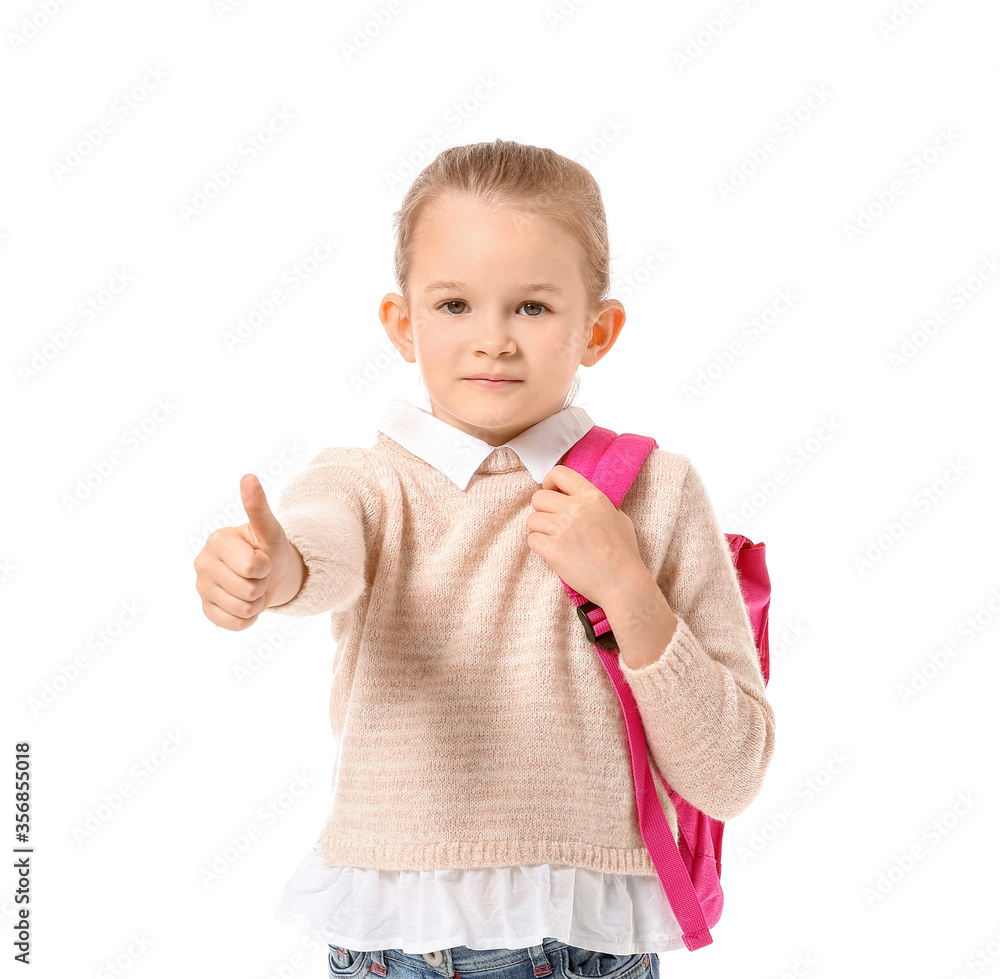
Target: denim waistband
(461, 958)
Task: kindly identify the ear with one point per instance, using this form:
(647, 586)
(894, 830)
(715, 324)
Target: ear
(397, 325)
(603, 332)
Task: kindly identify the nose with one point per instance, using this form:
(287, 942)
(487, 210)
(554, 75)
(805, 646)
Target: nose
(493, 336)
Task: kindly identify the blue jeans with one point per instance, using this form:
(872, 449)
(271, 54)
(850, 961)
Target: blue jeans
(550, 960)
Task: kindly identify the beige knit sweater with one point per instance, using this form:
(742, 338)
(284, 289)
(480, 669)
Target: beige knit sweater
(476, 725)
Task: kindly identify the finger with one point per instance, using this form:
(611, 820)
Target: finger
(233, 605)
(224, 619)
(247, 588)
(242, 556)
(267, 532)
(548, 500)
(564, 479)
(543, 522)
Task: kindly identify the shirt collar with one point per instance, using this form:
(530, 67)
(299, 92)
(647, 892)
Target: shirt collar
(458, 455)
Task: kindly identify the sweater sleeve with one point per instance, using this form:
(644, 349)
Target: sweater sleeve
(708, 724)
(330, 514)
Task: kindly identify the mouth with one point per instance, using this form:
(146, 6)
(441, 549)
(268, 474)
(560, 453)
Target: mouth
(489, 382)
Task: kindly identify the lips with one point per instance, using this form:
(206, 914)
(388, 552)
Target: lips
(493, 383)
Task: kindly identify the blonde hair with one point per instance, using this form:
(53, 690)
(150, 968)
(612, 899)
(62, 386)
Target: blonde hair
(505, 173)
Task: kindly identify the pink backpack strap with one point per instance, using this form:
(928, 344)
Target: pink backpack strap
(755, 584)
(613, 470)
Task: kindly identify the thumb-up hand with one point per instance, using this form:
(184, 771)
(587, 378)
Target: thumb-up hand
(244, 570)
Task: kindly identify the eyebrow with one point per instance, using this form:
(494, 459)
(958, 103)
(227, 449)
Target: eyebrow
(442, 284)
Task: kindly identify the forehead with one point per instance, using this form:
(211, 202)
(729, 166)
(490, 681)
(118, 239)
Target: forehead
(458, 244)
(481, 217)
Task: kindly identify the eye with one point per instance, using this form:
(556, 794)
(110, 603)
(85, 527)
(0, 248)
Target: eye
(530, 303)
(452, 302)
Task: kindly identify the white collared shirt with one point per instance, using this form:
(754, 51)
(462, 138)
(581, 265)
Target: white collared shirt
(458, 455)
(419, 911)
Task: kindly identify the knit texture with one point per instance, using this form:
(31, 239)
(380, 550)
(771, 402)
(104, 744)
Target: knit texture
(476, 725)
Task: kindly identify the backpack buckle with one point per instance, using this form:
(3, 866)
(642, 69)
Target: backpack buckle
(607, 639)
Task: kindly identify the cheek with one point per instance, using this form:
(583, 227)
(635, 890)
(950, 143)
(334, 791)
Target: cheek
(439, 350)
(436, 344)
(564, 350)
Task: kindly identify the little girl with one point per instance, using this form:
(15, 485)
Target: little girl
(484, 817)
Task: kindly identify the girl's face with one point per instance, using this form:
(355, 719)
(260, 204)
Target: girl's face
(496, 294)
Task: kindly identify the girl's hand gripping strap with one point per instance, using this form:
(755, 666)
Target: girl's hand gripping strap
(611, 463)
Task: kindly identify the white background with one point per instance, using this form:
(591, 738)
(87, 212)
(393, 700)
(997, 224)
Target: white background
(604, 84)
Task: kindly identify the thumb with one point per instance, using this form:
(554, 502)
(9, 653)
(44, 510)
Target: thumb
(264, 526)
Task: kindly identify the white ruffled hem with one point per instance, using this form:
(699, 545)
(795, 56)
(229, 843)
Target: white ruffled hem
(419, 911)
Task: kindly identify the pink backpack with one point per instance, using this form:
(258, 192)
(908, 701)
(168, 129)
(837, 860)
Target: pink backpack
(691, 873)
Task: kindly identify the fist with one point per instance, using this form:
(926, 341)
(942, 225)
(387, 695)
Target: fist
(244, 570)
